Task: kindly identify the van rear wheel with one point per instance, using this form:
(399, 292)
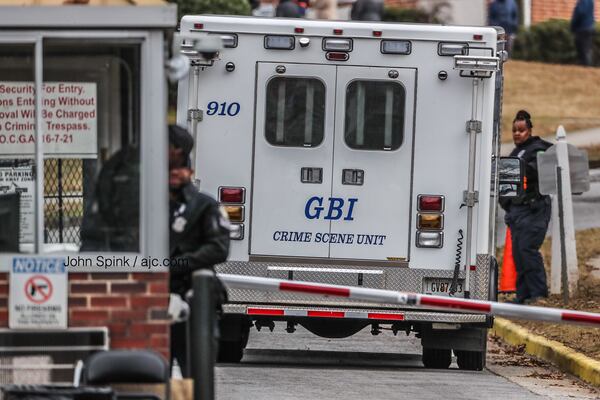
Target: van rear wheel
(436, 358)
(470, 360)
(234, 332)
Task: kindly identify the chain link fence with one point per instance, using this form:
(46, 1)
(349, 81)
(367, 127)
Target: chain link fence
(63, 200)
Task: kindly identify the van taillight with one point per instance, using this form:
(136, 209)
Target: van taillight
(431, 203)
(235, 213)
(429, 221)
(430, 218)
(333, 56)
(232, 195)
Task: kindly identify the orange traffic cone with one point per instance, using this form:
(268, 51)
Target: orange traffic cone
(508, 275)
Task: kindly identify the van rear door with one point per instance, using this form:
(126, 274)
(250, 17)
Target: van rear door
(292, 157)
(372, 162)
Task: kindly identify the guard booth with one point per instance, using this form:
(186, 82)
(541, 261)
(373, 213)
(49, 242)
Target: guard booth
(83, 182)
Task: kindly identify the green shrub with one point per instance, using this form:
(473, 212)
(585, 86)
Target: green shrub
(397, 14)
(551, 42)
(221, 7)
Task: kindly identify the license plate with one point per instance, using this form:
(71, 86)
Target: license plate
(441, 287)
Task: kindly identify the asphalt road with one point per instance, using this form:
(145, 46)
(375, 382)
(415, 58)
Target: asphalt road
(278, 365)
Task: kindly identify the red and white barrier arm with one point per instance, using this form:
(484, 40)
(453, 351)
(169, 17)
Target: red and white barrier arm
(555, 315)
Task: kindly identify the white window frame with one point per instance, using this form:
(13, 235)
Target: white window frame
(154, 231)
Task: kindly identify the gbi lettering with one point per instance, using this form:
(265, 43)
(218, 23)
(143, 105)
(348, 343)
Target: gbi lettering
(336, 208)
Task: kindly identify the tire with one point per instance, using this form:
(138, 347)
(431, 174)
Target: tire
(230, 352)
(437, 358)
(232, 349)
(470, 360)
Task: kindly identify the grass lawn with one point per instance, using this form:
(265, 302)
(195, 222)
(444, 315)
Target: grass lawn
(587, 298)
(554, 95)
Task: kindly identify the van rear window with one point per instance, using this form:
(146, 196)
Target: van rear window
(295, 112)
(374, 115)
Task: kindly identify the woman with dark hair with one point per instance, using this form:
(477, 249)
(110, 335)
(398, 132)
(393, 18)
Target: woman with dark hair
(528, 214)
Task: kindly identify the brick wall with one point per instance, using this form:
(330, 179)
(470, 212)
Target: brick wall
(401, 3)
(542, 10)
(132, 305)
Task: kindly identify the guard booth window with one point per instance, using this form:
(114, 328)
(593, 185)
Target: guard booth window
(295, 112)
(91, 139)
(374, 115)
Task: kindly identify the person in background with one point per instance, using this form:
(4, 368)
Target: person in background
(505, 13)
(367, 10)
(288, 9)
(528, 214)
(582, 26)
(198, 237)
(325, 9)
(303, 5)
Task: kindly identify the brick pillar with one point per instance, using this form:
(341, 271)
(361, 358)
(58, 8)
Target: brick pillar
(132, 305)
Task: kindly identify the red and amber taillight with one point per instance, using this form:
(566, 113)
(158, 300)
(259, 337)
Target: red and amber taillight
(430, 221)
(232, 199)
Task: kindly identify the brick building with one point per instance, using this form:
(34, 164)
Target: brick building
(542, 10)
(539, 10)
(132, 305)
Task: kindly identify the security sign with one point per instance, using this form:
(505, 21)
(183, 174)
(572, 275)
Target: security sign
(38, 293)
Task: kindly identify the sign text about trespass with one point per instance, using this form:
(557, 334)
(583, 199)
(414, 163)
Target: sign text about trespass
(69, 118)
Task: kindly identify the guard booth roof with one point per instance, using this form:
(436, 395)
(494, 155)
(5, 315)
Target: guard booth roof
(87, 14)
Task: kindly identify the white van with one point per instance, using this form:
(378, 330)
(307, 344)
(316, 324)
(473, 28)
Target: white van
(356, 154)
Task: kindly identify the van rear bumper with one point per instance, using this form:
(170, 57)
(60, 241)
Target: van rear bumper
(370, 315)
(401, 279)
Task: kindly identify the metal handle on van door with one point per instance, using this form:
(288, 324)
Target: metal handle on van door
(353, 177)
(311, 175)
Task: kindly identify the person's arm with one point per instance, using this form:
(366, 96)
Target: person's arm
(215, 248)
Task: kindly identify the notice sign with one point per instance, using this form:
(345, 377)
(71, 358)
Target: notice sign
(38, 293)
(69, 113)
(20, 180)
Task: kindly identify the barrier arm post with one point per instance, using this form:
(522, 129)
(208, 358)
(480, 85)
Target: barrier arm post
(202, 341)
(564, 251)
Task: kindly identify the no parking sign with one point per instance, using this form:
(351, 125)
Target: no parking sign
(38, 293)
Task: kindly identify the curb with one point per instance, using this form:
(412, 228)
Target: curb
(552, 351)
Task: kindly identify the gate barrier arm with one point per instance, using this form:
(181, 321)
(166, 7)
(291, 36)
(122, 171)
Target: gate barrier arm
(555, 315)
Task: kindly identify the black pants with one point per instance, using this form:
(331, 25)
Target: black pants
(179, 347)
(528, 225)
(584, 41)
(181, 343)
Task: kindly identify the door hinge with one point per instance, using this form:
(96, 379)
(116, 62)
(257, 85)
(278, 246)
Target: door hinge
(473, 126)
(195, 115)
(469, 199)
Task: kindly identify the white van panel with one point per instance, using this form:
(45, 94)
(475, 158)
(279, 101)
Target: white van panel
(380, 219)
(279, 224)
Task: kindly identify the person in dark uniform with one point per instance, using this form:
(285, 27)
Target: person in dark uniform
(367, 10)
(199, 233)
(288, 9)
(528, 214)
(582, 26)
